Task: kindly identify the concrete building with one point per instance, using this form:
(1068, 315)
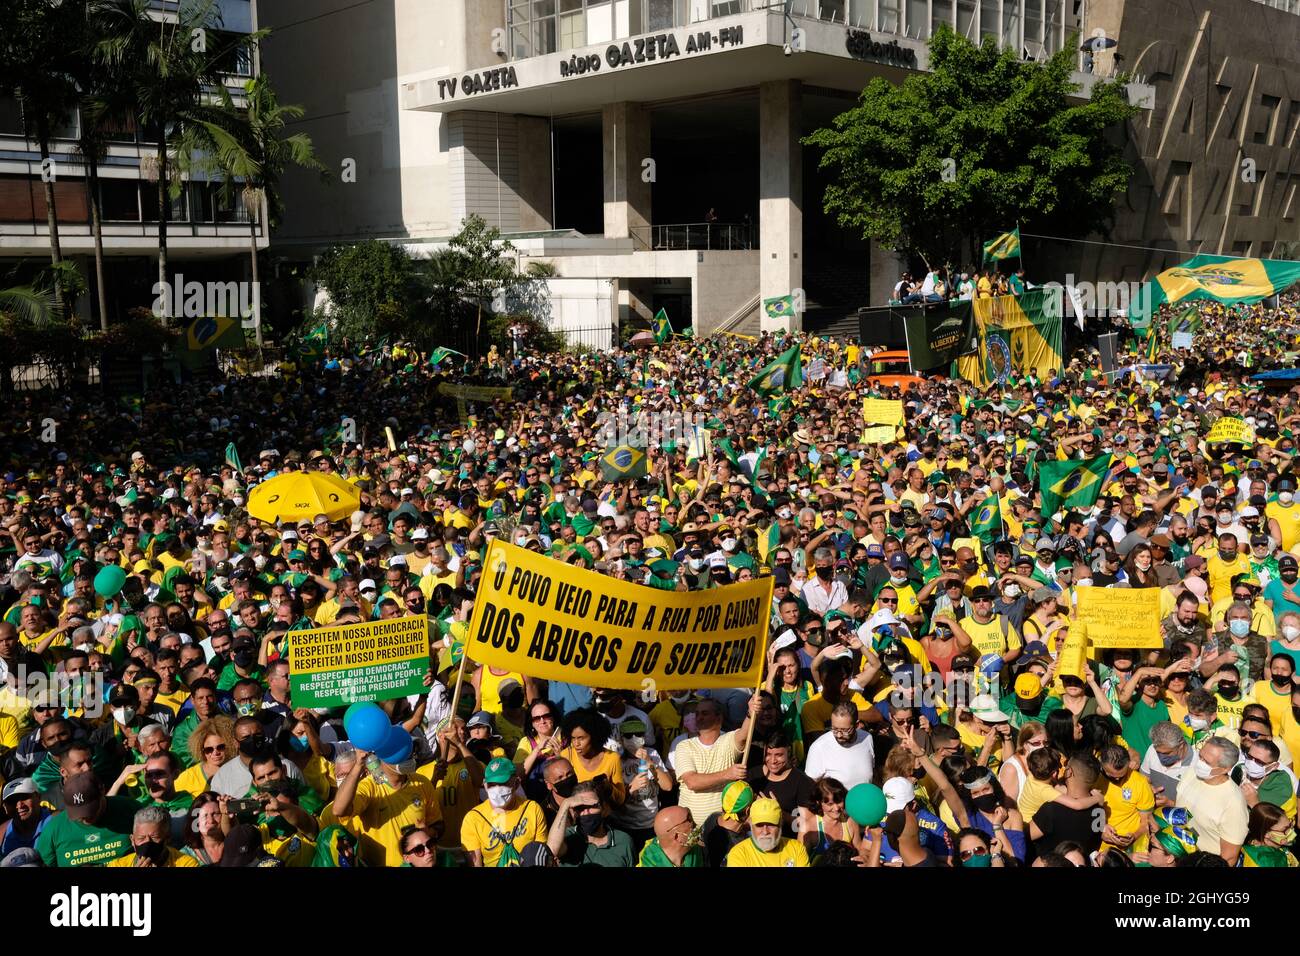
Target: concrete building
(208, 236)
(650, 149)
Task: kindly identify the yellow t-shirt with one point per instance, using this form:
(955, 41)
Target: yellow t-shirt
(9, 735)
(384, 811)
(457, 795)
(174, 859)
(1125, 804)
(192, 781)
(1033, 795)
(1288, 522)
(1221, 574)
(816, 713)
(1277, 705)
(1230, 711)
(788, 853)
(173, 700)
(988, 639)
(489, 831)
(430, 581)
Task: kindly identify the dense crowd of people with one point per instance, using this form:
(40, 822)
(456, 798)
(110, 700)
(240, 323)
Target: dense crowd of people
(911, 646)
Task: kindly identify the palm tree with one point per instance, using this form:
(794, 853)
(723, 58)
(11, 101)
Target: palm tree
(23, 309)
(252, 154)
(173, 68)
(33, 62)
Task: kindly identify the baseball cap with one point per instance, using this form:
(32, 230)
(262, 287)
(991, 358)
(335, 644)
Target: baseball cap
(899, 792)
(499, 770)
(631, 727)
(736, 798)
(781, 578)
(481, 719)
(243, 846)
(980, 591)
(1289, 560)
(900, 562)
(1043, 594)
(1193, 562)
(765, 810)
(23, 786)
(875, 551)
(82, 796)
(23, 856)
(368, 584)
(1028, 686)
(419, 534)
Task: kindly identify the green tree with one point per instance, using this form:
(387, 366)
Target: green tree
(34, 67)
(252, 153)
(959, 154)
(372, 287)
(483, 267)
(169, 65)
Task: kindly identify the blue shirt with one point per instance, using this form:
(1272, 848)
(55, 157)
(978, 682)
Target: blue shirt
(932, 831)
(568, 697)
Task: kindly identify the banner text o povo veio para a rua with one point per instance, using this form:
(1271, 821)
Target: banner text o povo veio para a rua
(377, 660)
(553, 621)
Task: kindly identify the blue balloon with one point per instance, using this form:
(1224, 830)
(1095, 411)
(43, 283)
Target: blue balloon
(398, 745)
(367, 726)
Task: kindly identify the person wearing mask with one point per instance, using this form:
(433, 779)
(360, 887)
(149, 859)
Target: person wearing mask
(581, 836)
(767, 845)
(383, 802)
(1262, 777)
(1270, 837)
(1216, 803)
(495, 832)
(150, 833)
(234, 779)
(1274, 694)
(1166, 761)
(675, 843)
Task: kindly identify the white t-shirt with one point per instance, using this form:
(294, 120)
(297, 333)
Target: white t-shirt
(638, 813)
(850, 765)
(1218, 812)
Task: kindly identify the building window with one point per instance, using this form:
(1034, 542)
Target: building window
(660, 15)
(940, 15)
(891, 16)
(918, 19)
(119, 200)
(988, 19)
(966, 18)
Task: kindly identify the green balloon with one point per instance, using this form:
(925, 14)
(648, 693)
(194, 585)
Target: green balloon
(109, 581)
(866, 804)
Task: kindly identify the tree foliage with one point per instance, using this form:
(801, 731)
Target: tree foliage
(1020, 151)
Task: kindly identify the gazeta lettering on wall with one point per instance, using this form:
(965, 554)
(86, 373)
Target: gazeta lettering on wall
(486, 81)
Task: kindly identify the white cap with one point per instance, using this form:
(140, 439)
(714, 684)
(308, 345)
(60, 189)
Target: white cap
(289, 535)
(899, 792)
(137, 456)
(368, 585)
(419, 534)
(880, 619)
(168, 494)
(717, 561)
(1250, 511)
(434, 475)
(396, 560)
(986, 709)
(407, 491)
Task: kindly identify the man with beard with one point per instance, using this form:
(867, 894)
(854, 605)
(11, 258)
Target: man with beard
(766, 846)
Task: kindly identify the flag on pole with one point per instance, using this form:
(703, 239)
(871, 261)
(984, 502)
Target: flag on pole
(779, 307)
(783, 373)
(232, 458)
(1153, 343)
(1005, 246)
(769, 540)
(662, 329)
(441, 353)
(1071, 484)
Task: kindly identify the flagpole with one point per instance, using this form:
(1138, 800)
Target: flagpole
(758, 686)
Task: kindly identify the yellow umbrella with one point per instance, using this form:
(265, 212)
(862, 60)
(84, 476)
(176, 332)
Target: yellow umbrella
(299, 495)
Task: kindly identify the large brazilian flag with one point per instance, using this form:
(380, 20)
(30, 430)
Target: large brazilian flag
(1221, 278)
(1017, 334)
(780, 375)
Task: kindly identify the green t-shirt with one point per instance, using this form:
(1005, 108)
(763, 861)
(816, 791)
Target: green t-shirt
(230, 677)
(579, 851)
(66, 842)
(1137, 725)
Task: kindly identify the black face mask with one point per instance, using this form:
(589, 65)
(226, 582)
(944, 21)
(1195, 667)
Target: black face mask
(1290, 575)
(244, 658)
(1230, 691)
(590, 823)
(151, 850)
(825, 573)
(986, 803)
(253, 746)
(564, 786)
(514, 699)
(1281, 680)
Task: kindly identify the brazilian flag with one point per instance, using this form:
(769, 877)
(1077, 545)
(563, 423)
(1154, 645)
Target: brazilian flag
(441, 353)
(623, 461)
(314, 342)
(1189, 320)
(1071, 484)
(212, 332)
(986, 523)
(780, 307)
(662, 329)
(1005, 246)
(1224, 279)
(1153, 344)
(783, 373)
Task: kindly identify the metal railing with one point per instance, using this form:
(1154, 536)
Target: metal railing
(720, 236)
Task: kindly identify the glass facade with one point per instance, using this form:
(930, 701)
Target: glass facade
(1036, 28)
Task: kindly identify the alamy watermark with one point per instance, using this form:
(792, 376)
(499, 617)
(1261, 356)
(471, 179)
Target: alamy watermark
(197, 300)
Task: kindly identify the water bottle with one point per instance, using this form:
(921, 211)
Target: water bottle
(375, 767)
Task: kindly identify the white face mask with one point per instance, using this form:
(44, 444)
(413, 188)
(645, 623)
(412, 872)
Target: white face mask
(499, 796)
(632, 744)
(1254, 769)
(1011, 590)
(1202, 769)
(897, 579)
(728, 544)
(1084, 582)
(1285, 497)
(1197, 723)
(1143, 564)
(1290, 631)
(124, 715)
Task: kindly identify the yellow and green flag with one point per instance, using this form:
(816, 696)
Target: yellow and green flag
(662, 329)
(623, 461)
(986, 523)
(1017, 335)
(783, 373)
(1005, 246)
(1221, 278)
(1071, 484)
(780, 307)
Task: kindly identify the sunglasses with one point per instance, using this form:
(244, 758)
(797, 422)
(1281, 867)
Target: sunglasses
(978, 851)
(885, 600)
(418, 849)
(218, 749)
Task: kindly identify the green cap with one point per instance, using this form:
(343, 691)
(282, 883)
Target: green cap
(499, 770)
(665, 567)
(297, 554)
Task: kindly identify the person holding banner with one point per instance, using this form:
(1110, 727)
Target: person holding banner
(706, 763)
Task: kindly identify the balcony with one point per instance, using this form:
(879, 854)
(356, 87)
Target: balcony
(702, 236)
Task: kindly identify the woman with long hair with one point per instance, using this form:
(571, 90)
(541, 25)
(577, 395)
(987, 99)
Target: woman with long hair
(990, 811)
(541, 741)
(1139, 567)
(831, 822)
(204, 837)
(1014, 772)
(1270, 836)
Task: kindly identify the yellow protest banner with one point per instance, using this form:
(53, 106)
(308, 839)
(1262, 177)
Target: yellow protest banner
(476, 393)
(377, 660)
(881, 434)
(1231, 429)
(1072, 658)
(882, 411)
(1120, 617)
(551, 620)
